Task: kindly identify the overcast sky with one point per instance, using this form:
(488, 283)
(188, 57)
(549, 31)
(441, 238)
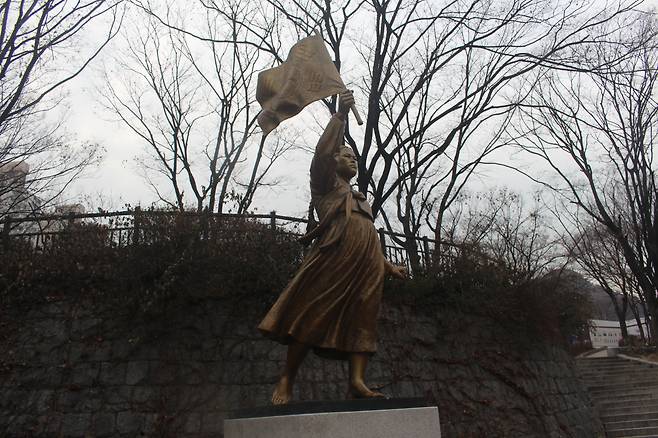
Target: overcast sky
(117, 180)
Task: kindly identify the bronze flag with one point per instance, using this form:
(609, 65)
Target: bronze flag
(307, 75)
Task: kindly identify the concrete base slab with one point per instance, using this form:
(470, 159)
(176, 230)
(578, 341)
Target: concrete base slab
(417, 422)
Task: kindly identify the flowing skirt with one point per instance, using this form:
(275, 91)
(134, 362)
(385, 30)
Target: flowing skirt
(332, 302)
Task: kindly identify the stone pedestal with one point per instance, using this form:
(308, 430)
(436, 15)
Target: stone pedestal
(394, 418)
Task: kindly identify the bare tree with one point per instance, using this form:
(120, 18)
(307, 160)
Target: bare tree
(192, 104)
(37, 163)
(434, 72)
(595, 131)
(440, 81)
(428, 190)
(601, 258)
(41, 51)
(500, 225)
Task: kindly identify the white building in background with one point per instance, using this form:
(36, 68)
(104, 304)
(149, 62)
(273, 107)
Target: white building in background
(16, 201)
(14, 196)
(65, 209)
(14, 173)
(608, 333)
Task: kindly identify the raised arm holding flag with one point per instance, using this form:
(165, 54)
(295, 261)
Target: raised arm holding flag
(308, 75)
(332, 303)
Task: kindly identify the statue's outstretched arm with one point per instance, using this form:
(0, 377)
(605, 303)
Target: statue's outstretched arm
(395, 271)
(323, 166)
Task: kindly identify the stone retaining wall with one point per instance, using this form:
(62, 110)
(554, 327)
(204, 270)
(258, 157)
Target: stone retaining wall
(70, 370)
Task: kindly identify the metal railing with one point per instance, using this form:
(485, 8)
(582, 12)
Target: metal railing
(131, 227)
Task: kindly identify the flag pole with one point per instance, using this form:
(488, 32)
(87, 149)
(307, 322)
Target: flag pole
(355, 111)
(357, 116)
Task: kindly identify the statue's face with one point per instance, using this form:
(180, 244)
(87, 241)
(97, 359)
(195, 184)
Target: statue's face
(346, 165)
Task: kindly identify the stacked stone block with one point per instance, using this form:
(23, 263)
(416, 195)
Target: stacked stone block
(74, 369)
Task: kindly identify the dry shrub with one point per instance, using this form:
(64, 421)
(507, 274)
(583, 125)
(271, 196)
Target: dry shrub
(552, 307)
(172, 256)
(189, 256)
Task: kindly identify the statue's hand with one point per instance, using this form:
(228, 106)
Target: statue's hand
(345, 102)
(397, 271)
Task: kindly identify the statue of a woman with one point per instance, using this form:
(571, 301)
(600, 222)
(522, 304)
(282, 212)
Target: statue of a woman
(332, 303)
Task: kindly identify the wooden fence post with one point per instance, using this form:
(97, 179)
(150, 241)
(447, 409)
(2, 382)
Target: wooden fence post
(136, 224)
(273, 220)
(205, 218)
(382, 240)
(5, 232)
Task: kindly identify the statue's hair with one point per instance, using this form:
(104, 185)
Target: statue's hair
(343, 146)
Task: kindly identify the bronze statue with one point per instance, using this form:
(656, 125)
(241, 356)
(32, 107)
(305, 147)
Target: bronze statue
(332, 303)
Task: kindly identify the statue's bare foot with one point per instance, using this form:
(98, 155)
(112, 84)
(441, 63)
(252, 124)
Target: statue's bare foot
(282, 392)
(359, 389)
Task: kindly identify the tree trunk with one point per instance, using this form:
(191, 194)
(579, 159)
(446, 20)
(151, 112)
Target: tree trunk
(638, 321)
(624, 329)
(622, 317)
(621, 313)
(411, 247)
(653, 323)
(643, 337)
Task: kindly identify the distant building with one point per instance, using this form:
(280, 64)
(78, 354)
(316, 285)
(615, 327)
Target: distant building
(16, 201)
(14, 194)
(608, 333)
(62, 210)
(14, 173)
(69, 209)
